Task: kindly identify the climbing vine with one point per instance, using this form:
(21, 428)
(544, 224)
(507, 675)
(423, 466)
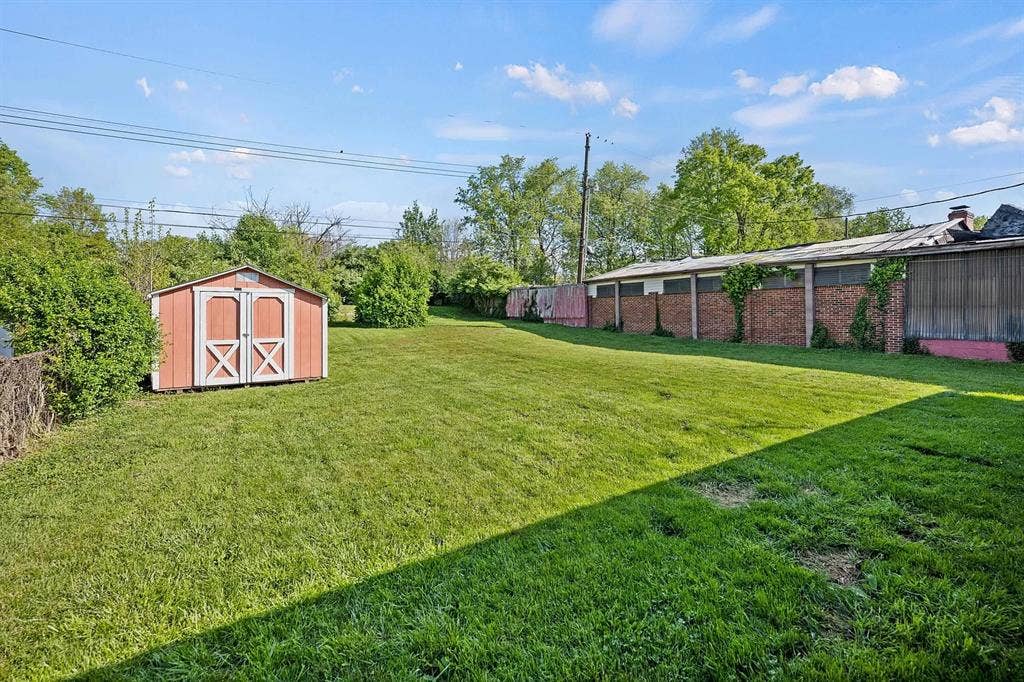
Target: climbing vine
(865, 334)
(740, 280)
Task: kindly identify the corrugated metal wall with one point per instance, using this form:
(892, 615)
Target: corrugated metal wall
(976, 296)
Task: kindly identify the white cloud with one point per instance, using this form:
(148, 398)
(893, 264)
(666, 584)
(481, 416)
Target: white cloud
(909, 195)
(341, 74)
(930, 114)
(557, 83)
(989, 132)
(648, 26)
(1002, 30)
(747, 82)
(177, 171)
(998, 114)
(357, 89)
(943, 194)
(144, 84)
(998, 109)
(741, 28)
(787, 86)
(626, 108)
(184, 156)
(772, 115)
(243, 118)
(237, 155)
(240, 172)
(934, 140)
(181, 86)
(458, 66)
(856, 82)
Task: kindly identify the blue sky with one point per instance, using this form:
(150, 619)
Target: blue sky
(909, 99)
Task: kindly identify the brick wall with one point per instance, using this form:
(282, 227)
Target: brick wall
(834, 306)
(602, 311)
(637, 314)
(775, 316)
(675, 313)
(715, 319)
(893, 323)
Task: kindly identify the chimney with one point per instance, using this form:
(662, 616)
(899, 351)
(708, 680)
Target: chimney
(961, 213)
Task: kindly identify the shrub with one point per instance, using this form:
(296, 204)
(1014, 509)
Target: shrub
(478, 280)
(912, 346)
(611, 327)
(98, 330)
(820, 337)
(394, 289)
(1016, 350)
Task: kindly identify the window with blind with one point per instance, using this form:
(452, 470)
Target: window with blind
(842, 274)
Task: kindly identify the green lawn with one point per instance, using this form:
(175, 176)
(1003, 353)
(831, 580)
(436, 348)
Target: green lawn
(509, 500)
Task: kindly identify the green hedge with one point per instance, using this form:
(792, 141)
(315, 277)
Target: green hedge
(99, 331)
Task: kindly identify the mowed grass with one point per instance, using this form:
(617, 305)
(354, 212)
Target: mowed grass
(508, 500)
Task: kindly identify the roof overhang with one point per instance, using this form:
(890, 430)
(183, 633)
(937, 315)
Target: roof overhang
(231, 272)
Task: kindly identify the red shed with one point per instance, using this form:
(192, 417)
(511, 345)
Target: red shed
(243, 326)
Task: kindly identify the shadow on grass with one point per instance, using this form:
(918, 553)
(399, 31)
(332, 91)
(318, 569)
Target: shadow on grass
(962, 375)
(663, 583)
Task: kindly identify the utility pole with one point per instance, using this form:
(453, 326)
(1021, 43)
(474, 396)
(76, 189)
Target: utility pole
(846, 227)
(581, 267)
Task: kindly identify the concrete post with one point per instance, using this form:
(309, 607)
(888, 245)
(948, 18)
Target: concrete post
(808, 303)
(693, 307)
(618, 308)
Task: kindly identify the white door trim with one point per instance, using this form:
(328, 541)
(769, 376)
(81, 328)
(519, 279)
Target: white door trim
(260, 346)
(244, 345)
(238, 371)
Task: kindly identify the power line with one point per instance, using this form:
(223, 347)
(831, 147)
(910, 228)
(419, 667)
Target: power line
(220, 228)
(954, 184)
(241, 140)
(177, 141)
(136, 57)
(221, 149)
(238, 211)
(340, 222)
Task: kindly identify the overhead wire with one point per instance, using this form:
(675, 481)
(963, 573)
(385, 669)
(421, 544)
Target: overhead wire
(151, 60)
(258, 152)
(238, 211)
(241, 140)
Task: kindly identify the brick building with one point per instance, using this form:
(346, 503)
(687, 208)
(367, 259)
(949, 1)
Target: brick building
(825, 283)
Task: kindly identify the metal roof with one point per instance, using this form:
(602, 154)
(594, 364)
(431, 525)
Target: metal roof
(231, 271)
(882, 245)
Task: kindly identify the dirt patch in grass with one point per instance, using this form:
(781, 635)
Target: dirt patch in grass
(842, 566)
(727, 495)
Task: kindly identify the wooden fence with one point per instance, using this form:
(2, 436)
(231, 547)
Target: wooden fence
(564, 304)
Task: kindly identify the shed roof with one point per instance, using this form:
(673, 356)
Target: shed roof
(882, 245)
(231, 271)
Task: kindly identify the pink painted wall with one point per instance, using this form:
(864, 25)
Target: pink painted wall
(176, 324)
(968, 350)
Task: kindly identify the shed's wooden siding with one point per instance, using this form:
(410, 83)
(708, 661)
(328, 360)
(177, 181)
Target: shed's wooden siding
(177, 320)
(971, 296)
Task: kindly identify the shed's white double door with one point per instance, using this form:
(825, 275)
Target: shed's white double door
(242, 335)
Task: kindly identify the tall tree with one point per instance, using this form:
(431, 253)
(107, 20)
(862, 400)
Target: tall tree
(516, 214)
(18, 189)
(740, 200)
(420, 228)
(620, 220)
(880, 221)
